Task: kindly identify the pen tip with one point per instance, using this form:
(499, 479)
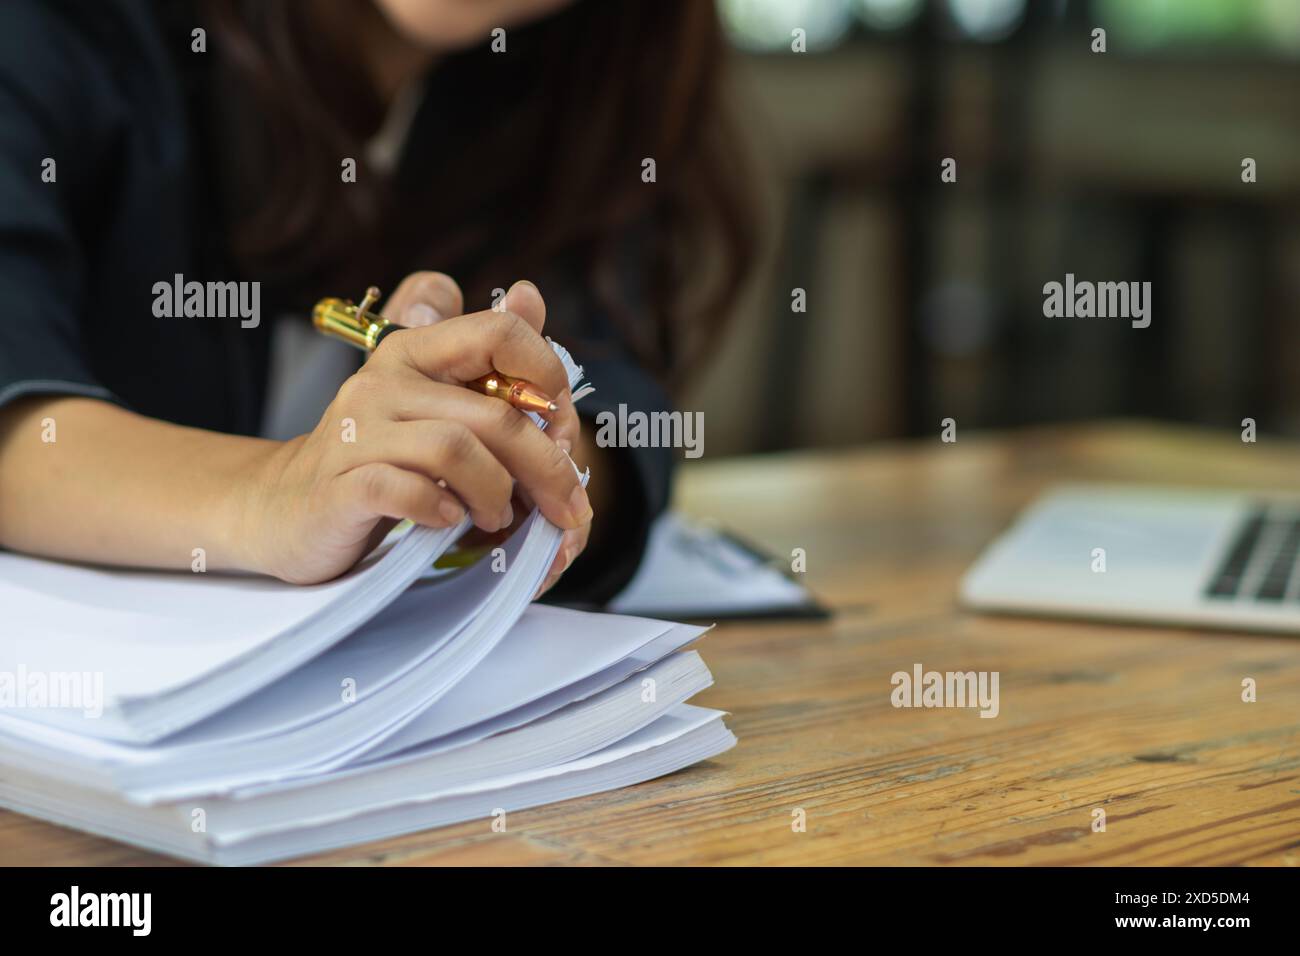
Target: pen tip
(552, 407)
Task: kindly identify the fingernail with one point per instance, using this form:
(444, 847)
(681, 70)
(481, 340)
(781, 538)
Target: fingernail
(419, 314)
(579, 504)
(507, 516)
(520, 283)
(451, 512)
(566, 446)
(569, 554)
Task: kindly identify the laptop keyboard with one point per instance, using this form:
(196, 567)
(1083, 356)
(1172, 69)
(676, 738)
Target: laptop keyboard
(1261, 562)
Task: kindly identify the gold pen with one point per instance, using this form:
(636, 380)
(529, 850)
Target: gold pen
(358, 326)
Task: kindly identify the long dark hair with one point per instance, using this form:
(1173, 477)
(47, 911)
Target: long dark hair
(534, 158)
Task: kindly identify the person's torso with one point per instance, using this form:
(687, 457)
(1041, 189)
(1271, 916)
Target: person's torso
(148, 230)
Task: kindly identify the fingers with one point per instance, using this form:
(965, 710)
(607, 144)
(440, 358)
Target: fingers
(531, 360)
(415, 397)
(571, 545)
(381, 490)
(543, 469)
(525, 300)
(439, 432)
(464, 348)
(565, 427)
(448, 451)
(424, 298)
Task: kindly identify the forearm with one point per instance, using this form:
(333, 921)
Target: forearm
(85, 480)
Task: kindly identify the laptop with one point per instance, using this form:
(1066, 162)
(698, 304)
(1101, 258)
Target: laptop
(1148, 554)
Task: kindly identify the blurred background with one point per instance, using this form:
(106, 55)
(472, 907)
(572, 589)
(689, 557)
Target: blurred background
(924, 298)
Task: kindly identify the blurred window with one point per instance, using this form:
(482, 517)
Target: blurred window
(887, 14)
(986, 20)
(769, 25)
(1160, 23)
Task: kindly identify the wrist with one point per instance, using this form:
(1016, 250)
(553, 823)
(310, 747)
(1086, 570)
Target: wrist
(240, 514)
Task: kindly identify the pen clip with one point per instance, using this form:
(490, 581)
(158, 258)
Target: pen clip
(367, 300)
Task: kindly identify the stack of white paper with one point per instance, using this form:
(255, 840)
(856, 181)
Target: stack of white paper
(240, 720)
(456, 700)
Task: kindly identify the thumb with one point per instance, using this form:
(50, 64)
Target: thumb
(424, 298)
(419, 314)
(525, 300)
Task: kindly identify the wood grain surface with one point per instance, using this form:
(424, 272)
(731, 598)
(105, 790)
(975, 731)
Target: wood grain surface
(1146, 723)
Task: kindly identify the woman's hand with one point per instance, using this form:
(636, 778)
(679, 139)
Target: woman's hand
(428, 297)
(404, 439)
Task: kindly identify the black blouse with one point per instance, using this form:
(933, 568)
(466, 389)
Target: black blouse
(103, 195)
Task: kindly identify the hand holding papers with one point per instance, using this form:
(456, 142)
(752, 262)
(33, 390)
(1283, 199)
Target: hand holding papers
(291, 719)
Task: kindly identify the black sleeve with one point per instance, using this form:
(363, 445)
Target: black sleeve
(47, 113)
(642, 476)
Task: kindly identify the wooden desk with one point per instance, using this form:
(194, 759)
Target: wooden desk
(1145, 722)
